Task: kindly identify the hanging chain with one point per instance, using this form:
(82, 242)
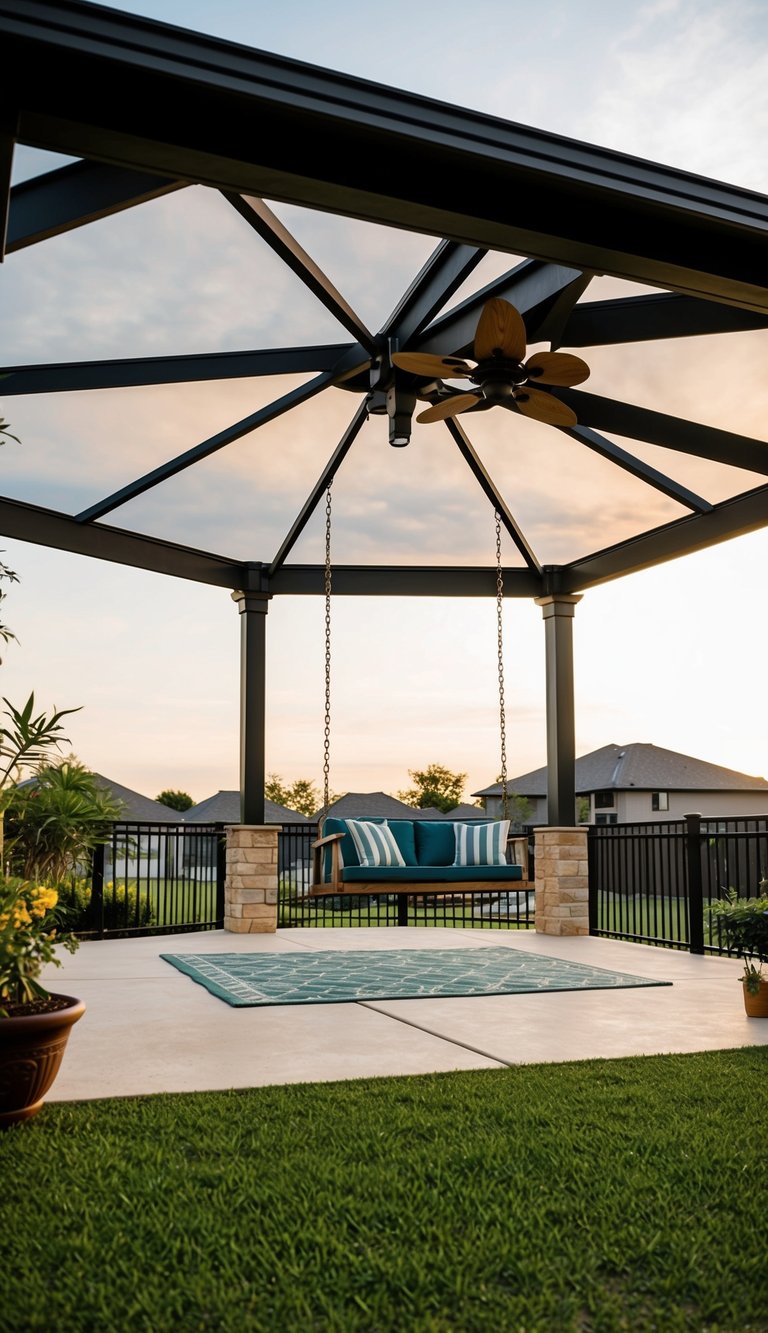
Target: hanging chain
(500, 658)
(327, 731)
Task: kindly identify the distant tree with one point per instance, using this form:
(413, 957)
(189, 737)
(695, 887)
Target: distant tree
(434, 786)
(582, 809)
(175, 800)
(301, 795)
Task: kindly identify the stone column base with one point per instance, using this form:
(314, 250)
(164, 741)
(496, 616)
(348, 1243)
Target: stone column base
(562, 881)
(250, 889)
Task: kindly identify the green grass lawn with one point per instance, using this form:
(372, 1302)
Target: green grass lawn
(600, 1195)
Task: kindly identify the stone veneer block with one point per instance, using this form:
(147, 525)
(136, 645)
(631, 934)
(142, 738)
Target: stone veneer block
(562, 881)
(251, 888)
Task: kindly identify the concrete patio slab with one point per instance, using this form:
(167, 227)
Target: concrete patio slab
(150, 1029)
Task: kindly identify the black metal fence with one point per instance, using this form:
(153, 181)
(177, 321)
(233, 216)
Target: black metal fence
(151, 878)
(501, 909)
(652, 882)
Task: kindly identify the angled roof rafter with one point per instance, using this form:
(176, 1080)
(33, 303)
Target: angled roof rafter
(74, 195)
(684, 536)
(136, 372)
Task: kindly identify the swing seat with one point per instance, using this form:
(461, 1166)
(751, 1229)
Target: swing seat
(337, 871)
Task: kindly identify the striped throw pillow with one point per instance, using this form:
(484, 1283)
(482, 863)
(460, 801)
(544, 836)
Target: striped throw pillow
(481, 844)
(375, 843)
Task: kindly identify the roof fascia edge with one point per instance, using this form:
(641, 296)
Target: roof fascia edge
(196, 59)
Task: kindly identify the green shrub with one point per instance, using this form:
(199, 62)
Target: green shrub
(123, 910)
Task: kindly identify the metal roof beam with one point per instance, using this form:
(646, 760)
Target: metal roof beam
(531, 286)
(442, 275)
(631, 319)
(206, 448)
(637, 468)
(404, 581)
(254, 123)
(46, 527)
(488, 487)
(326, 477)
(687, 437)
(732, 518)
(71, 196)
(8, 127)
(278, 238)
(66, 377)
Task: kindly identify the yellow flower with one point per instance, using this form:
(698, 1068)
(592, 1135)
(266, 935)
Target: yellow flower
(44, 899)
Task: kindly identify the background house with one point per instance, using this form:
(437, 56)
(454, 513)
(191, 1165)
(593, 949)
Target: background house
(377, 804)
(136, 806)
(224, 808)
(629, 783)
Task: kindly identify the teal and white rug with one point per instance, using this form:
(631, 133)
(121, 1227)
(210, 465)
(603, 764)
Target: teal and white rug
(246, 979)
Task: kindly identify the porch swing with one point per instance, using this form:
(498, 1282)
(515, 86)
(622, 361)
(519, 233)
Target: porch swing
(369, 855)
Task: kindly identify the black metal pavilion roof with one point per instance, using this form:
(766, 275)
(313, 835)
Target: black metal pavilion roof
(255, 126)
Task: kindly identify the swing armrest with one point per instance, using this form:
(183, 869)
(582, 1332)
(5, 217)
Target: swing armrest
(333, 840)
(518, 845)
(332, 837)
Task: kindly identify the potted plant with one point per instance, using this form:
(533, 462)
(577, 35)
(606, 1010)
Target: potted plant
(34, 1023)
(744, 922)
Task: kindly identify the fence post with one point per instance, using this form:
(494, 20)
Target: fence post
(695, 884)
(221, 873)
(97, 889)
(592, 845)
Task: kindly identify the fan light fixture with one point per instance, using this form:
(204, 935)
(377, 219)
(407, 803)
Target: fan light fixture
(502, 375)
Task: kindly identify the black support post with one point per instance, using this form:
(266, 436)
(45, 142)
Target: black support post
(557, 611)
(253, 689)
(693, 840)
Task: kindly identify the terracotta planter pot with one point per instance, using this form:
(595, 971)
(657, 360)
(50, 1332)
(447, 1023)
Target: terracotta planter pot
(756, 1005)
(31, 1051)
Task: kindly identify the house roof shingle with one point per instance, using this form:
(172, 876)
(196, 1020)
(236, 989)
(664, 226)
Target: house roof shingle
(640, 766)
(136, 806)
(224, 808)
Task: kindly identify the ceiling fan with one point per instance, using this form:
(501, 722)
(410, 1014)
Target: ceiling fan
(502, 376)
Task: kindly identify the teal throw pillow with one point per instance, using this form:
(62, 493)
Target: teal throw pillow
(435, 842)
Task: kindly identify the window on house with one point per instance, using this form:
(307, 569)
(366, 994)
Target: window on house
(659, 800)
(603, 800)
(606, 819)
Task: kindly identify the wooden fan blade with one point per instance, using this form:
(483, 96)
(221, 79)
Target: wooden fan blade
(437, 367)
(450, 407)
(543, 407)
(557, 368)
(500, 328)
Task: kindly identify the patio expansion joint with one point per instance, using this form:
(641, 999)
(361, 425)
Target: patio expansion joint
(440, 1036)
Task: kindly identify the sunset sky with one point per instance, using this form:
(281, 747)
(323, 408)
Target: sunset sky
(674, 656)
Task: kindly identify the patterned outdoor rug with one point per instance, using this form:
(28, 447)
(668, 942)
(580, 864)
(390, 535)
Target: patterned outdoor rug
(247, 979)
